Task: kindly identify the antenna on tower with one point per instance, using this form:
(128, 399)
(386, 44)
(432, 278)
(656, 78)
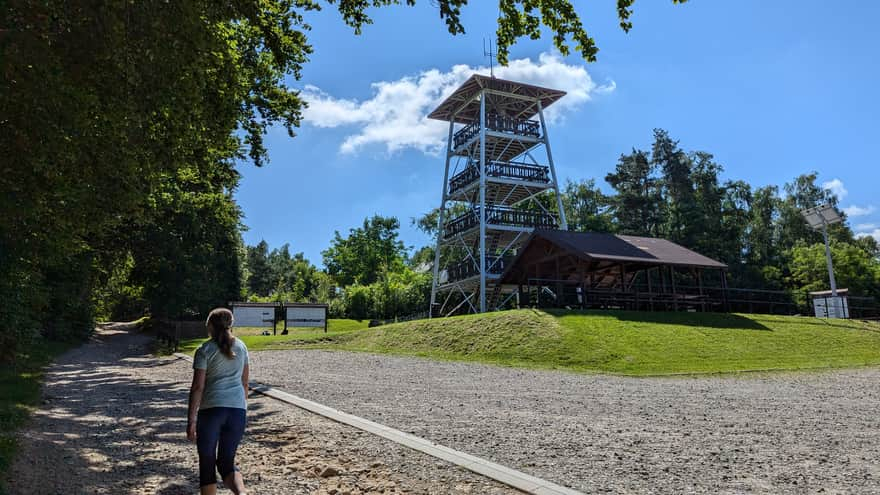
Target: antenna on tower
(491, 54)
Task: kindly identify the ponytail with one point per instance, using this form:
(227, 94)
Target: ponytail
(220, 322)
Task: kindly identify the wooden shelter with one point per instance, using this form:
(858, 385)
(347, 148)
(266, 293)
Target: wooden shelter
(590, 269)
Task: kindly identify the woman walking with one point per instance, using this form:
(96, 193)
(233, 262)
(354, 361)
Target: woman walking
(218, 404)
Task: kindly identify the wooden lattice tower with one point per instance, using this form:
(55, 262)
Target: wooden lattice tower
(497, 164)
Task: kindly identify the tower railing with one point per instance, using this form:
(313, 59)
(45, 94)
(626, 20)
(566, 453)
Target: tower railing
(503, 170)
(495, 265)
(502, 216)
(498, 123)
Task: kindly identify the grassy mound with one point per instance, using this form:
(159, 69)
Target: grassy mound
(631, 343)
(252, 338)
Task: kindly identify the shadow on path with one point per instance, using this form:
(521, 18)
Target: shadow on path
(109, 424)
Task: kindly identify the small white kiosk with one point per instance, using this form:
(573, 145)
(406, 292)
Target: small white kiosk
(829, 305)
(305, 316)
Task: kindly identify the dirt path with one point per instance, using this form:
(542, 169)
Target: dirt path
(113, 418)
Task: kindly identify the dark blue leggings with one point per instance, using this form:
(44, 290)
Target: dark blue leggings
(218, 433)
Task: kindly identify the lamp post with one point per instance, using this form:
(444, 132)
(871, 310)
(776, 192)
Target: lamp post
(828, 260)
(821, 217)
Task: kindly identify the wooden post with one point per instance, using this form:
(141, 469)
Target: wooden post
(700, 285)
(583, 284)
(636, 290)
(674, 293)
(724, 290)
(538, 286)
(650, 289)
(560, 301)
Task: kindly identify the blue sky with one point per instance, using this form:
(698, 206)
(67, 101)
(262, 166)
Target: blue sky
(773, 89)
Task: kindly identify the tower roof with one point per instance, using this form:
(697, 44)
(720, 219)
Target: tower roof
(510, 98)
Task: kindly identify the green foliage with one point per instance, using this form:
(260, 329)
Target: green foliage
(186, 250)
(280, 276)
(372, 252)
(398, 294)
(854, 268)
(115, 298)
(367, 253)
(676, 195)
(638, 204)
(678, 189)
(105, 108)
(125, 118)
(516, 19)
(260, 277)
(587, 209)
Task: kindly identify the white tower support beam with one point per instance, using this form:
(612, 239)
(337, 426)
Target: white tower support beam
(440, 220)
(828, 259)
(483, 201)
(563, 224)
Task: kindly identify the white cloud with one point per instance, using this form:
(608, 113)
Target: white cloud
(396, 115)
(859, 211)
(873, 233)
(836, 187)
(866, 226)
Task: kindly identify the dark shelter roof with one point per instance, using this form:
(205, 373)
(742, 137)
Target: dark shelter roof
(630, 248)
(468, 108)
(627, 249)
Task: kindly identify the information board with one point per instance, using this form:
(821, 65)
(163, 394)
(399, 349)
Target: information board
(306, 316)
(249, 316)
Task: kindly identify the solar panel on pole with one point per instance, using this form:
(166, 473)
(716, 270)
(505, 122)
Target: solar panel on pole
(820, 217)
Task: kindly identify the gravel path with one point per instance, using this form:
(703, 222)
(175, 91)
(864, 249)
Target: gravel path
(113, 421)
(768, 433)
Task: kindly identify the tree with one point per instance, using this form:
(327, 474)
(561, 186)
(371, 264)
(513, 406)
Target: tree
(638, 205)
(761, 246)
(185, 248)
(516, 19)
(587, 209)
(803, 193)
(680, 223)
(854, 269)
(367, 254)
(103, 104)
(259, 281)
(707, 222)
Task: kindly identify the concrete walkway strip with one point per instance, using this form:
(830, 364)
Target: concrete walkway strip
(516, 479)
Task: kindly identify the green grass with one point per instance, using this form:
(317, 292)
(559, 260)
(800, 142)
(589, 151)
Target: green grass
(20, 393)
(620, 342)
(252, 338)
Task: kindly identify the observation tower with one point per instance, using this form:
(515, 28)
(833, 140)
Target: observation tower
(498, 164)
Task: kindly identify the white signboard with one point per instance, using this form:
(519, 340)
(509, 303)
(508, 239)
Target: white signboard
(831, 307)
(306, 316)
(249, 316)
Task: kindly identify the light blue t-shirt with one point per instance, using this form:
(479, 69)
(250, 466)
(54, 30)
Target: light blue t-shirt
(223, 375)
